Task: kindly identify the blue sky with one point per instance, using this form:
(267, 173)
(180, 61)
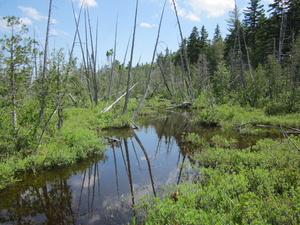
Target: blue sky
(191, 13)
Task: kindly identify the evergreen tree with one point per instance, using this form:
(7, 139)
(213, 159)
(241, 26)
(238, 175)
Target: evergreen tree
(217, 34)
(204, 41)
(254, 24)
(193, 46)
(293, 16)
(15, 75)
(277, 27)
(234, 49)
(216, 50)
(253, 15)
(221, 82)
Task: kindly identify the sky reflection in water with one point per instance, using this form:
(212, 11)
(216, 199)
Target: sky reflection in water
(100, 191)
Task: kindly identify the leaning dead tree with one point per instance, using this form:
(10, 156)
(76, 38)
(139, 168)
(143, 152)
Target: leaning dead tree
(185, 62)
(151, 67)
(130, 62)
(43, 88)
(82, 49)
(115, 102)
(113, 62)
(93, 59)
(42, 97)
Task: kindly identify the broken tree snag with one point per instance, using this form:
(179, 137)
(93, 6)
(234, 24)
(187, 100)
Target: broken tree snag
(109, 107)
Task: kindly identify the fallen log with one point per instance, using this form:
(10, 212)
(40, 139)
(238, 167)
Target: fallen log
(167, 100)
(178, 106)
(109, 107)
(295, 133)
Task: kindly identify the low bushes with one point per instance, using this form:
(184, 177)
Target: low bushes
(76, 140)
(256, 185)
(234, 116)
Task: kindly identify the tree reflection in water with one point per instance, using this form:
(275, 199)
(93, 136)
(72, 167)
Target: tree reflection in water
(102, 190)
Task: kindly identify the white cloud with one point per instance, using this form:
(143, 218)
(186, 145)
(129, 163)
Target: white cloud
(146, 25)
(32, 13)
(213, 8)
(54, 21)
(182, 12)
(56, 32)
(53, 32)
(192, 9)
(87, 3)
(192, 16)
(26, 21)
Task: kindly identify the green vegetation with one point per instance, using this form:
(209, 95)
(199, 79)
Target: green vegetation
(256, 185)
(79, 138)
(51, 112)
(76, 140)
(235, 116)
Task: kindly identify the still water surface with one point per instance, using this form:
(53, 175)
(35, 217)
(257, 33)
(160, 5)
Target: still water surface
(101, 190)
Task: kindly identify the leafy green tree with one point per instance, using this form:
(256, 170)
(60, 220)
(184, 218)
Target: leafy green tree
(293, 70)
(16, 73)
(275, 79)
(221, 83)
(257, 90)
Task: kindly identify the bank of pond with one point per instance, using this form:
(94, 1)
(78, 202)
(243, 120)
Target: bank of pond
(226, 165)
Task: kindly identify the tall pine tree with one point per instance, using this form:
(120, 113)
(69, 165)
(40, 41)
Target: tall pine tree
(193, 46)
(254, 24)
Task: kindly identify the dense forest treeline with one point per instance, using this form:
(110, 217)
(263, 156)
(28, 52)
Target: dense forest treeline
(256, 64)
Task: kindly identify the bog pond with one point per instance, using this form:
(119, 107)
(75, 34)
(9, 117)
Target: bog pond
(102, 189)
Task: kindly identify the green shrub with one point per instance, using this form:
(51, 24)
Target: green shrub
(257, 185)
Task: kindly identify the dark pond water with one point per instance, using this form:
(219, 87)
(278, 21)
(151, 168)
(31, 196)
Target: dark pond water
(101, 190)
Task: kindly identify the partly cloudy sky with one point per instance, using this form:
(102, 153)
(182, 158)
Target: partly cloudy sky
(105, 13)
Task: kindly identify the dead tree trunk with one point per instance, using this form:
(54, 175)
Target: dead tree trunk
(151, 67)
(130, 62)
(43, 89)
(185, 59)
(281, 35)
